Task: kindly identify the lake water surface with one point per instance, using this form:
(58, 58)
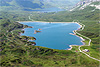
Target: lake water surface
(53, 9)
(53, 35)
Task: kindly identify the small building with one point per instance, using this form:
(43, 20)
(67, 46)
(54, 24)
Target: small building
(99, 22)
(86, 50)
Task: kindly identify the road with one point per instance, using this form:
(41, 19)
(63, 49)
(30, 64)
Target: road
(30, 18)
(83, 26)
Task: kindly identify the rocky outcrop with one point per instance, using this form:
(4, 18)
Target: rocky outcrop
(83, 4)
(86, 1)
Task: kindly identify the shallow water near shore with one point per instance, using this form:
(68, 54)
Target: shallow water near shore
(53, 35)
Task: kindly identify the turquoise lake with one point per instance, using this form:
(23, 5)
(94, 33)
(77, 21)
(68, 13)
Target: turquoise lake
(53, 35)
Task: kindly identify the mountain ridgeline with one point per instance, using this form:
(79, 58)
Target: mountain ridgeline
(36, 4)
(87, 1)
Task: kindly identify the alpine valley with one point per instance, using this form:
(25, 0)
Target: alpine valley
(18, 50)
(36, 4)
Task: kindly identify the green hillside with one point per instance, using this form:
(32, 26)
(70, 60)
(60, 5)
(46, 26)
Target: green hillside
(86, 15)
(17, 51)
(19, 5)
(34, 4)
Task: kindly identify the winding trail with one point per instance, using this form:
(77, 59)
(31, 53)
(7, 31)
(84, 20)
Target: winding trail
(75, 32)
(83, 26)
(30, 17)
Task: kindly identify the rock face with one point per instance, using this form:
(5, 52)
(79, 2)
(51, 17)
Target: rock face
(83, 4)
(86, 1)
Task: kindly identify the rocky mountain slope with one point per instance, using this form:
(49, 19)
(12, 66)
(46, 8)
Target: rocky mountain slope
(87, 3)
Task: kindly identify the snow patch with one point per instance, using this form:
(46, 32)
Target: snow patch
(84, 6)
(97, 6)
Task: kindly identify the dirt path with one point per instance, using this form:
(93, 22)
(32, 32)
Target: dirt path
(83, 26)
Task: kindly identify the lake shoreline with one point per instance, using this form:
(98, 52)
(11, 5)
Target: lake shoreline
(71, 46)
(44, 22)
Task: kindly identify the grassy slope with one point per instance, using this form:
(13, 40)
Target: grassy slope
(17, 51)
(88, 17)
(14, 51)
(34, 4)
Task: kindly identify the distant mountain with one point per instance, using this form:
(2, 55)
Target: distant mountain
(92, 4)
(20, 4)
(87, 1)
(36, 4)
(64, 4)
